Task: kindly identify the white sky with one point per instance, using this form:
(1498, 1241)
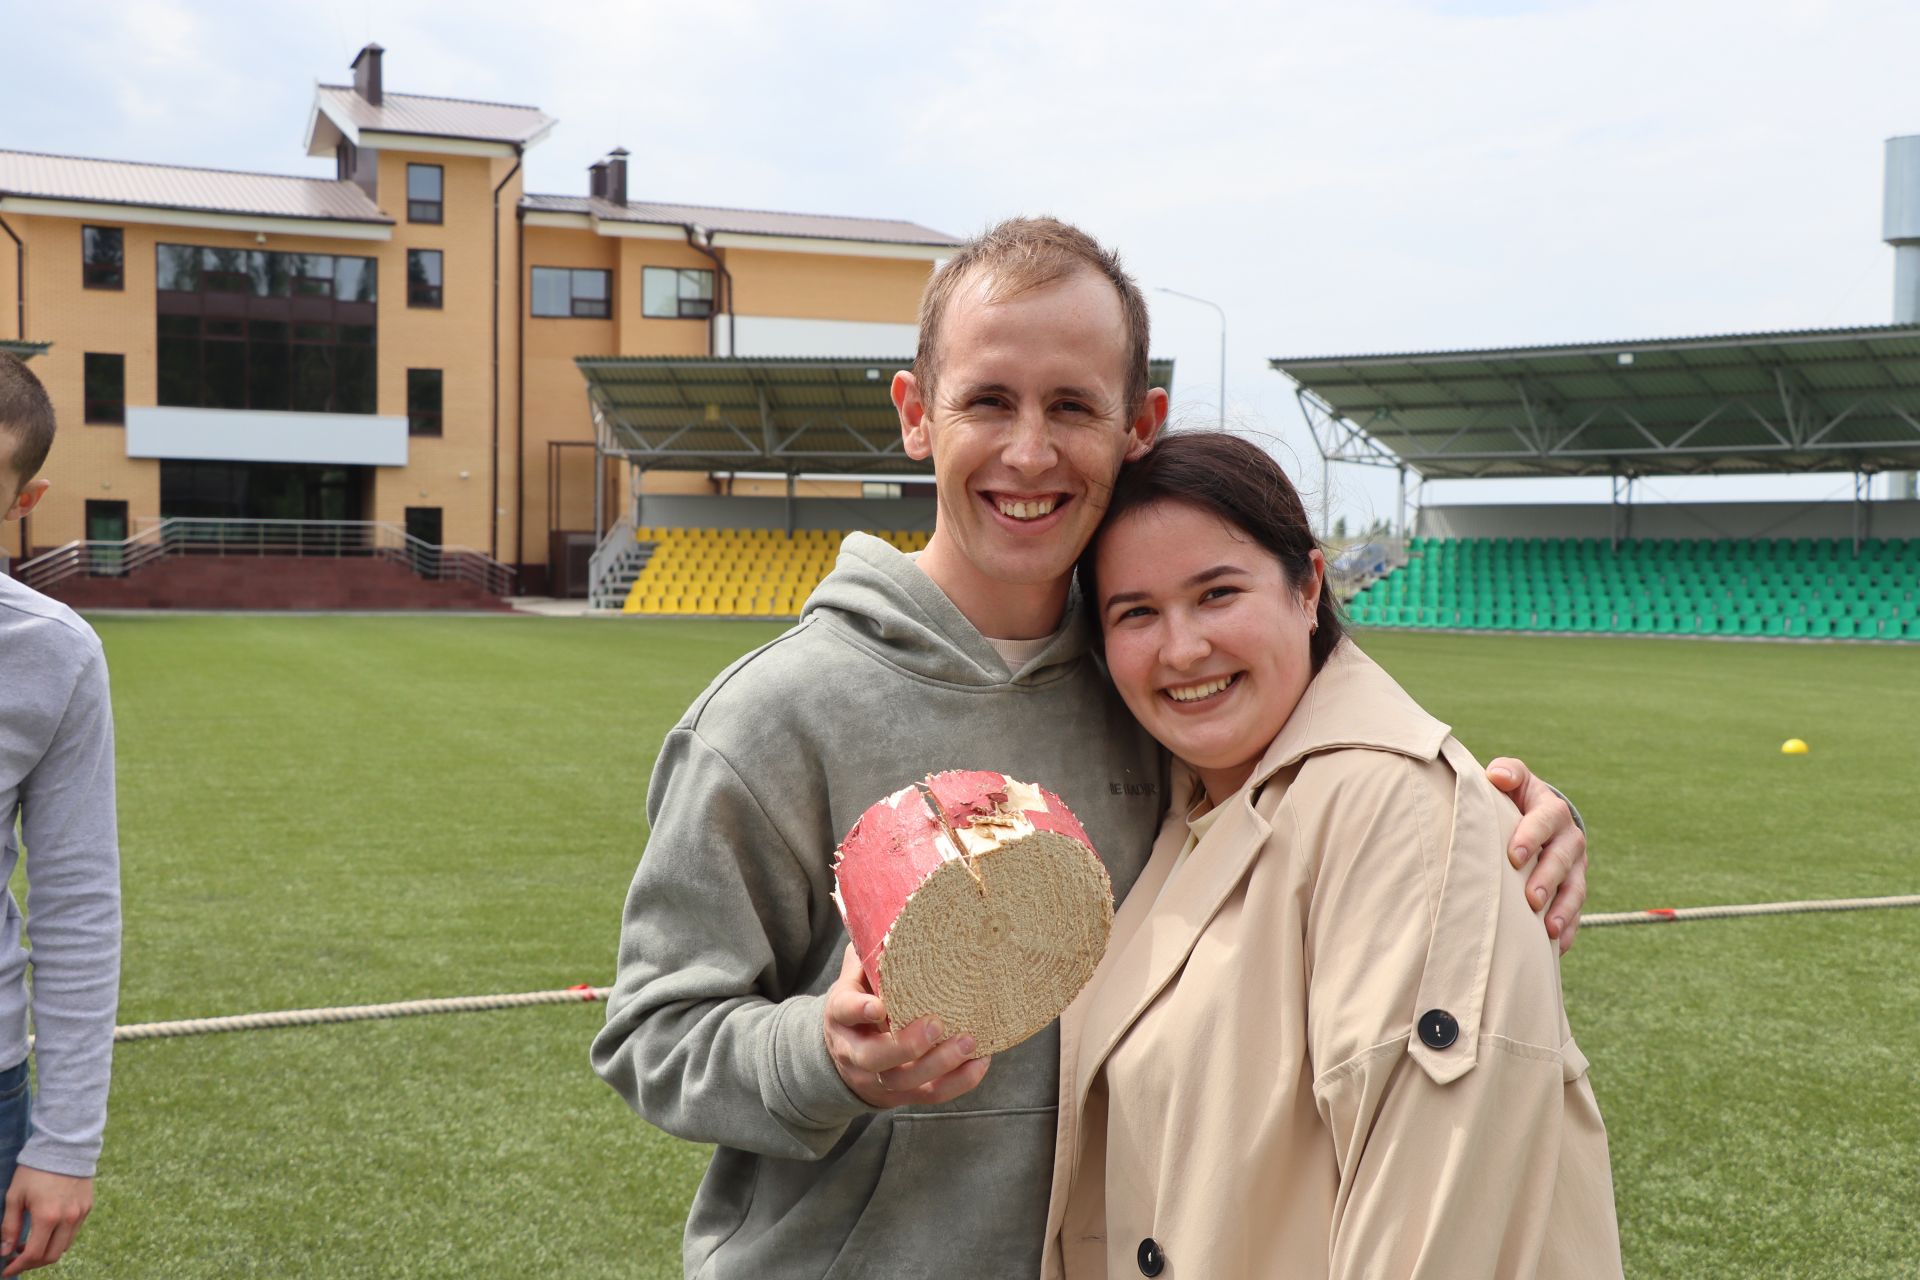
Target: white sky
(1350, 176)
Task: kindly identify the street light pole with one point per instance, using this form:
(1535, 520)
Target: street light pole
(1223, 345)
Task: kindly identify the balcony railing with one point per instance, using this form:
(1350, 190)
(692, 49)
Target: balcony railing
(331, 539)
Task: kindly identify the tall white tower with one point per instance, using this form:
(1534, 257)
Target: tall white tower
(1901, 229)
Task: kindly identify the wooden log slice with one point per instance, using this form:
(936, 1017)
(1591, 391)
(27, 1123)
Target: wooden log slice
(977, 898)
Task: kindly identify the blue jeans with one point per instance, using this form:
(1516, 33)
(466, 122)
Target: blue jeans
(16, 1115)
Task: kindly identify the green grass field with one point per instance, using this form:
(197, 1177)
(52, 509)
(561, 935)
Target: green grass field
(339, 810)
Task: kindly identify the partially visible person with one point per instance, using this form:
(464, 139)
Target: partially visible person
(1327, 1038)
(56, 790)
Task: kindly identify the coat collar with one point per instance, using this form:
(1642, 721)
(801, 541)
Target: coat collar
(1352, 702)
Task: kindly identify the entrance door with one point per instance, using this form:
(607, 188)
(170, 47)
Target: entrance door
(423, 526)
(106, 522)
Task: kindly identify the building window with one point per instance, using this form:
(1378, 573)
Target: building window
(675, 293)
(103, 258)
(423, 402)
(562, 291)
(248, 329)
(106, 387)
(423, 278)
(424, 183)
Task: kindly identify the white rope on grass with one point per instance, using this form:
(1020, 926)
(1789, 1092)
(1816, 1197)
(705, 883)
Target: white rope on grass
(584, 993)
(1677, 915)
(355, 1013)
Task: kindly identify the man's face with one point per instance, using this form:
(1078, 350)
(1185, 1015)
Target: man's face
(1027, 425)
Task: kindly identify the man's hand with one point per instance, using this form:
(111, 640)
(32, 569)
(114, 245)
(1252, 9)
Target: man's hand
(57, 1205)
(1549, 837)
(915, 1064)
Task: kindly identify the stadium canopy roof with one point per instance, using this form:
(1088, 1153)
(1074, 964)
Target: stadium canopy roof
(24, 350)
(1813, 400)
(776, 413)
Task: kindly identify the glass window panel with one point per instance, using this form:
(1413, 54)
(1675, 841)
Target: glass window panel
(178, 268)
(313, 378)
(102, 252)
(226, 328)
(552, 291)
(225, 375)
(353, 279)
(423, 277)
(660, 293)
(105, 380)
(313, 333)
(695, 283)
(590, 284)
(423, 182)
(269, 372)
(353, 386)
(359, 335)
(267, 331)
(423, 402)
(180, 364)
(268, 273)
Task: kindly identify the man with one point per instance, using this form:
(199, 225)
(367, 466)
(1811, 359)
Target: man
(56, 782)
(739, 1016)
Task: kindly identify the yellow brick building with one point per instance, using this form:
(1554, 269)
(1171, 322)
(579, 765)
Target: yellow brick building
(394, 343)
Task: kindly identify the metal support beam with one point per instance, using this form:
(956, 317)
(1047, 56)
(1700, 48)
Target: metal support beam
(1862, 508)
(1326, 497)
(599, 494)
(1620, 522)
(791, 479)
(1400, 508)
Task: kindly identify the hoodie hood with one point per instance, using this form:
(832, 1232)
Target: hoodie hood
(881, 600)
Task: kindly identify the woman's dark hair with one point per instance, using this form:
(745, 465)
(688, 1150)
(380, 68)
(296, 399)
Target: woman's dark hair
(1236, 480)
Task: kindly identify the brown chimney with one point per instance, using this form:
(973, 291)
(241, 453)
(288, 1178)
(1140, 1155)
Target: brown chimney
(366, 74)
(616, 163)
(597, 180)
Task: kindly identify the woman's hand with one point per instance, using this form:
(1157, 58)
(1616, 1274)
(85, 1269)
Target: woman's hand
(916, 1064)
(1549, 838)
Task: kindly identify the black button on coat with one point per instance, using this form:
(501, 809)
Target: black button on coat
(1152, 1261)
(1438, 1029)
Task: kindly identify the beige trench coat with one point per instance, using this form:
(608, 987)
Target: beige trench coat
(1335, 1046)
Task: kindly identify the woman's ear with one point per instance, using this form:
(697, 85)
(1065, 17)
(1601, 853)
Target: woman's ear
(1316, 583)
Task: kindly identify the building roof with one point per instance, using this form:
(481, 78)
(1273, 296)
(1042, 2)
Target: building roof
(414, 113)
(793, 413)
(165, 186)
(1799, 400)
(760, 222)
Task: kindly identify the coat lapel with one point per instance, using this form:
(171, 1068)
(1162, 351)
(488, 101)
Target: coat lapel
(1154, 931)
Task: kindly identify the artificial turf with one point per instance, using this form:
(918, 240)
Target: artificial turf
(337, 810)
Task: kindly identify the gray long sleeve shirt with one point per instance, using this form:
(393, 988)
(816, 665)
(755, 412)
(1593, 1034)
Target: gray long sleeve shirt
(57, 802)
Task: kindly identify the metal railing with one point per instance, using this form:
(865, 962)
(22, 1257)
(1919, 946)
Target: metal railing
(331, 539)
(602, 566)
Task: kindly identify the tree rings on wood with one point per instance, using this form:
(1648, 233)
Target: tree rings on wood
(976, 898)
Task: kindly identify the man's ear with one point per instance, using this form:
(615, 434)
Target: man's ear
(1146, 424)
(913, 416)
(30, 494)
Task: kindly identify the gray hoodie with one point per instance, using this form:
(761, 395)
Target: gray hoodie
(730, 938)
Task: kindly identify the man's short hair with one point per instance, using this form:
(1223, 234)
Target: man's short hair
(1019, 255)
(26, 414)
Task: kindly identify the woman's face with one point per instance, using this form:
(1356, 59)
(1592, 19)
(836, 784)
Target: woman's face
(1206, 638)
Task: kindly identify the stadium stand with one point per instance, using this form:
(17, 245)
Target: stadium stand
(738, 573)
(1798, 587)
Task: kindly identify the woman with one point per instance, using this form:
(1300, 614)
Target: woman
(1327, 1036)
